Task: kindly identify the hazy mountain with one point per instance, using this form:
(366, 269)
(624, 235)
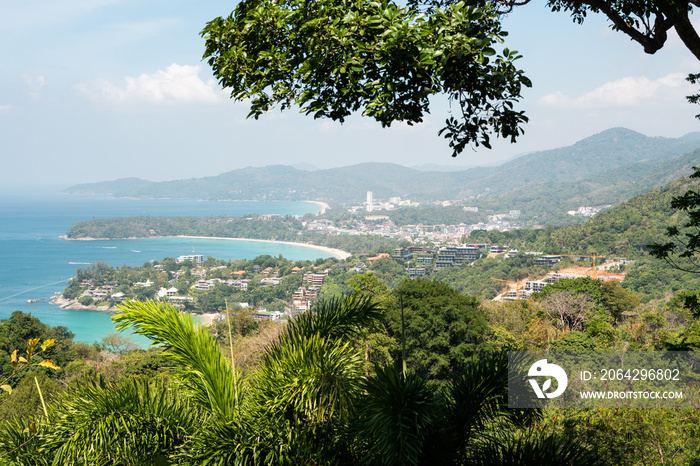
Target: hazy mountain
(108, 188)
(608, 167)
(587, 159)
(307, 167)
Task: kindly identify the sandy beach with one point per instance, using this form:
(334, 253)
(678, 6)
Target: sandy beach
(324, 206)
(206, 319)
(337, 253)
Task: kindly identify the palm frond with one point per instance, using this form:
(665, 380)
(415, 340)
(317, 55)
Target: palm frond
(478, 393)
(341, 317)
(260, 442)
(311, 372)
(203, 368)
(396, 416)
(476, 404)
(311, 380)
(531, 446)
(21, 443)
(135, 422)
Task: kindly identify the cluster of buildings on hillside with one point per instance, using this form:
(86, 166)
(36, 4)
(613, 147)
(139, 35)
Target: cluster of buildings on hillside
(373, 205)
(302, 300)
(588, 211)
(422, 260)
(305, 296)
(381, 225)
(534, 286)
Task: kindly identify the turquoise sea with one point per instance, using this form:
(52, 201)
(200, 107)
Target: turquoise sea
(35, 263)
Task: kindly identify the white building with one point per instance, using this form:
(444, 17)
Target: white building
(196, 259)
(369, 201)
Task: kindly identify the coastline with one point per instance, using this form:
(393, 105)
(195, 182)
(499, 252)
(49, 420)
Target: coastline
(73, 304)
(63, 303)
(324, 206)
(337, 253)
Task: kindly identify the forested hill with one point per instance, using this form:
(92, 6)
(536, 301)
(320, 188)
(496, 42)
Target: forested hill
(623, 230)
(613, 161)
(253, 227)
(547, 202)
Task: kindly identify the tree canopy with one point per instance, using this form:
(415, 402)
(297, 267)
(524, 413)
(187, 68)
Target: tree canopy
(645, 22)
(332, 58)
(336, 57)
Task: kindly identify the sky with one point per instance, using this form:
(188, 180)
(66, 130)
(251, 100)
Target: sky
(97, 90)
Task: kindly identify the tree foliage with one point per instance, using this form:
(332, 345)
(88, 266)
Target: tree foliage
(684, 241)
(645, 22)
(440, 327)
(336, 57)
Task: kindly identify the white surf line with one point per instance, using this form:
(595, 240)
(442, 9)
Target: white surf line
(30, 290)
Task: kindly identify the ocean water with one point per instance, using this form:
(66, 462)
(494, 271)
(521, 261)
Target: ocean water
(35, 263)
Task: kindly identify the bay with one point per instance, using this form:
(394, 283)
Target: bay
(35, 263)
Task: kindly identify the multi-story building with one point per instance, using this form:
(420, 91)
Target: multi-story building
(424, 259)
(264, 314)
(204, 285)
(195, 258)
(414, 272)
(548, 260)
(456, 255)
(315, 279)
(535, 286)
(511, 253)
(303, 298)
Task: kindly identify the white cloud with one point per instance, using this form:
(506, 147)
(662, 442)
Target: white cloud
(628, 91)
(5, 109)
(177, 84)
(35, 84)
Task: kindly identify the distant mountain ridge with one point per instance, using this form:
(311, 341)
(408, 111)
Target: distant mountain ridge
(608, 167)
(108, 188)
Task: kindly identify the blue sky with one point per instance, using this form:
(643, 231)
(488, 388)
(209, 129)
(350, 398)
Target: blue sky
(94, 90)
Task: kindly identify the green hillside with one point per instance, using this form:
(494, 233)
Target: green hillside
(599, 158)
(604, 169)
(623, 231)
(547, 202)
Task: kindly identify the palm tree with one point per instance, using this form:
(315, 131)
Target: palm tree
(204, 371)
(292, 411)
(404, 421)
(302, 395)
(309, 402)
(136, 422)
